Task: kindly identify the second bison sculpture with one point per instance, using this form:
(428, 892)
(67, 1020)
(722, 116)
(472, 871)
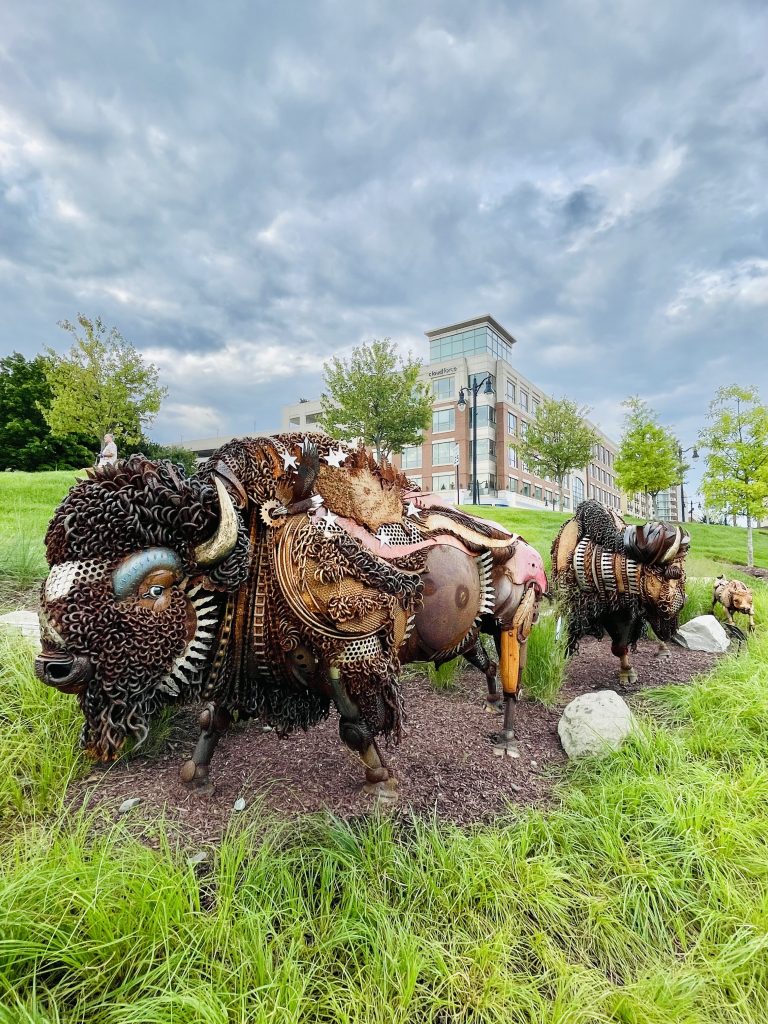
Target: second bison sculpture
(289, 573)
(614, 578)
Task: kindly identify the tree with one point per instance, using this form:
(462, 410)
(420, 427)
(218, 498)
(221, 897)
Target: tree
(102, 385)
(376, 396)
(557, 441)
(173, 452)
(648, 459)
(735, 480)
(26, 441)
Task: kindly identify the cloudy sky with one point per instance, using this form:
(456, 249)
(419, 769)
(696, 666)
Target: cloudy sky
(246, 188)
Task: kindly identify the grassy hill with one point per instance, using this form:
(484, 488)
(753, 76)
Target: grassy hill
(27, 501)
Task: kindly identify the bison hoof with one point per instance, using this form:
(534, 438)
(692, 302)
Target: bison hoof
(626, 678)
(384, 792)
(505, 746)
(195, 777)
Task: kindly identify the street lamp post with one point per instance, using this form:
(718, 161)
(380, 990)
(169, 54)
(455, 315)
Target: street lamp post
(461, 405)
(680, 453)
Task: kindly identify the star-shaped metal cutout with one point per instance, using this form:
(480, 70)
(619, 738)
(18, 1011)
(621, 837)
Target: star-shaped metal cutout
(413, 510)
(336, 457)
(289, 461)
(329, 521)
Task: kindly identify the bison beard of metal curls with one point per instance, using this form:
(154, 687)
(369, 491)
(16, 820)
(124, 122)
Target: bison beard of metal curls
(616, 578)
(290, 572)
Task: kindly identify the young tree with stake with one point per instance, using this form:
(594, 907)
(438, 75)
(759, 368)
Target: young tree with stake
(736, 476)
(376, 396)
(648, 459)
(557, 441)
(102, 385)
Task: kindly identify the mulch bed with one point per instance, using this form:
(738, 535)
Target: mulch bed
(444, 765)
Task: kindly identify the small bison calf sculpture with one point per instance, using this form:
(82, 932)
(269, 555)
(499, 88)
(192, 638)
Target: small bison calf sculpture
(614, 578)
(734, 596)
(290, 572)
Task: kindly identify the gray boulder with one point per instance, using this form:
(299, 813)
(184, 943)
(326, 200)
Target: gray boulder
(594, 724)
(26, 623)
(704, 633)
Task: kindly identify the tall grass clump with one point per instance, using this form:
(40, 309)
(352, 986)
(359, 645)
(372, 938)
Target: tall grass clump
(442, 678)
(547, 661)
(22, 557)
(38, 734)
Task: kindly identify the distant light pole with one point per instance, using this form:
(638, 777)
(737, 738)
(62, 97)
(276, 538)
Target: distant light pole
(680, 453)
(461, 405)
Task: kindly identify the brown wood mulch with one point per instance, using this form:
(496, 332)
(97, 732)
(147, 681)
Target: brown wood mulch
(445, 764)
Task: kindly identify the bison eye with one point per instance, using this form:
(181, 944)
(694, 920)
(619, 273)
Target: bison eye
(155, 591)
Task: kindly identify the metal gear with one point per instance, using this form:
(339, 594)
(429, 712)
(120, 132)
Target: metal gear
(267, 513)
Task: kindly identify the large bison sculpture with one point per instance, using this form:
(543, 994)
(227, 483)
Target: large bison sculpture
(290, 572)
(613, 578)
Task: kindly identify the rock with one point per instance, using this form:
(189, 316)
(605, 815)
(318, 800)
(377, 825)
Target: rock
(26, 623)
(128, 805)
(201, 857)
(595, 723)
(239, 804)
(704, 633)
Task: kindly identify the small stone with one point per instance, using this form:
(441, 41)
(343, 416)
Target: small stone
(514, 788)
(239, 804)
(201, 857)
(128, 805)
(534, 764)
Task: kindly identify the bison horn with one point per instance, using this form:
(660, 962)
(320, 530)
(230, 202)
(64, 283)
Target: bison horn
(222, 543)
(131, 571)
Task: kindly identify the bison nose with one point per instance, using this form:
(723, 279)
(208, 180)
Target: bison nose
(63, 671)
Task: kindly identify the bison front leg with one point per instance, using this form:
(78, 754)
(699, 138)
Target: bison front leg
(512, 656)
(214, 722)
(356, 734)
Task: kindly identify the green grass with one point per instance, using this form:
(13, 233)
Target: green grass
(38, 733)
(710, 545)
(27, 501)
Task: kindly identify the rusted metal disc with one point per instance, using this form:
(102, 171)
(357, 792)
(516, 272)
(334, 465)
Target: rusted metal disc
(452, 598)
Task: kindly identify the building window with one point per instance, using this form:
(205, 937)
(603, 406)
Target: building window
(411, 457)
(578, 490)
(295, 421)
(416, 481)
(443, 453)
(471, 341)
(537, 493)
(443, 482)
(512, 457)
(535, 406)
(312, 417)
(485, 449)
(526, 489)
(548, 497)
(442, 388)
(443, 420)
(475, 377)
(511, 423)
(486, 416)
(512, 484)
(523, 428)
(524, 400)
(511, 390)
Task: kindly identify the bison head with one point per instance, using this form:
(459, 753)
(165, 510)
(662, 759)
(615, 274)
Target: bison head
(139, 559)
